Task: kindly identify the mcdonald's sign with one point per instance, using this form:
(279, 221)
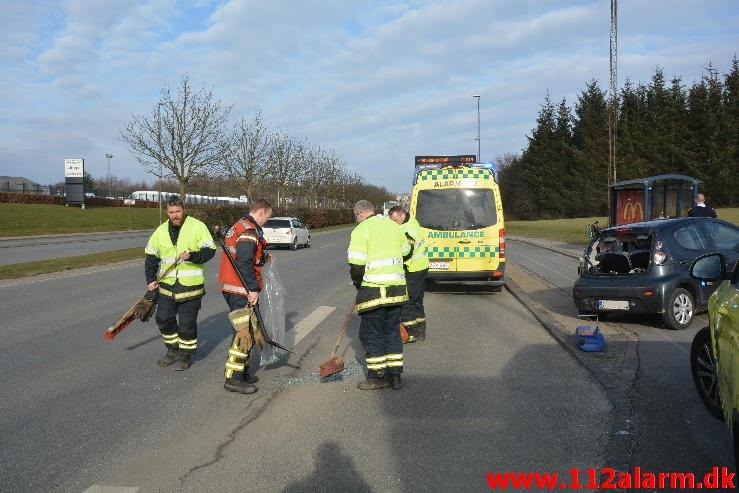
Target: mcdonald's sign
(629, 207)
(633, 212)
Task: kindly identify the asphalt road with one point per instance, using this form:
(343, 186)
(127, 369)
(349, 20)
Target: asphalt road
(28, 249)
(490, 390)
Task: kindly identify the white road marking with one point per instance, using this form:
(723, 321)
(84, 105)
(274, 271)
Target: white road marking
(310, 322)
(98, 488)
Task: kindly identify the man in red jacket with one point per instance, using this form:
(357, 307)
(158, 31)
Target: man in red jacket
(246, 244)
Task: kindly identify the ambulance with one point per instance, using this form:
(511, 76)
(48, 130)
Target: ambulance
(457, 203)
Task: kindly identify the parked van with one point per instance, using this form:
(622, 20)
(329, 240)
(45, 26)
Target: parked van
(457, 203)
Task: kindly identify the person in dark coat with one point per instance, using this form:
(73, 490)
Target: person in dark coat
(701, 209)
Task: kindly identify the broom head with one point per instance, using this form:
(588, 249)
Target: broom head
(403, 334)
(331, 366)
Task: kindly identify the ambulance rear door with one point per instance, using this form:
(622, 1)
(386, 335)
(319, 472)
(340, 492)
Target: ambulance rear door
(463, 228)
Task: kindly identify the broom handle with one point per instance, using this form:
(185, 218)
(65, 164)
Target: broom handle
(343, 328)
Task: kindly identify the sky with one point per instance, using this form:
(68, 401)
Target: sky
(378, 82)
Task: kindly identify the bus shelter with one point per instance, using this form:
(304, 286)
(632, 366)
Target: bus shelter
(653, 197)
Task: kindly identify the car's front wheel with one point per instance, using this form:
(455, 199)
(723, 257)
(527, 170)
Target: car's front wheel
(307, 243)
(679, 310)
(703, 369)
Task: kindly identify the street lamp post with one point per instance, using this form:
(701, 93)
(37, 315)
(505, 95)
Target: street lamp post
(159, 139)
(477, 96)
(160, 192)
(109, 156)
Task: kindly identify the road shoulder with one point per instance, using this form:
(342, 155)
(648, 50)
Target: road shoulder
(615, 368)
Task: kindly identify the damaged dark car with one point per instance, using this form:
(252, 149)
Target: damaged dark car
(643, 268)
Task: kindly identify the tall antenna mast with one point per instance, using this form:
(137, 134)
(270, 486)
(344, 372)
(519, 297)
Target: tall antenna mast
(613, 106)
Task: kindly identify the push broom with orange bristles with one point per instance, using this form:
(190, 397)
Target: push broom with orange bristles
(335, 364)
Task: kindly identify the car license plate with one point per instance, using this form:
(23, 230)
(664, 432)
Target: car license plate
(613, 305)
(438, 265)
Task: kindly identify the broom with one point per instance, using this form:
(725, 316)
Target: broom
(142, 308)
(335, 364)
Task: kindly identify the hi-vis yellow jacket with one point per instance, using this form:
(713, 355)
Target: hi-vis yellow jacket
(419, 259)
(378, 246)
(193, 237)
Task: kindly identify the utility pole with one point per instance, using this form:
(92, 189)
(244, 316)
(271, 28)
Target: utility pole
(613, 105)
(110, 192)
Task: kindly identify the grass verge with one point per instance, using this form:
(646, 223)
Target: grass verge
(24, 269)
(38, 219)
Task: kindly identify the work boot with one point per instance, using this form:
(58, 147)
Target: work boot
(420, 335)
(240, 386)
(183, 362)
(373, 383)
(394, 381)
(168, 358)
(252, 379)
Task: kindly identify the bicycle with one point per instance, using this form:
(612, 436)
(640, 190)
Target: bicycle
(586, 261)
(593, 231)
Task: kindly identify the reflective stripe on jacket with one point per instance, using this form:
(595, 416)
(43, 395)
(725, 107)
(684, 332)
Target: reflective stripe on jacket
(193, 237)
(379, 245)
(242, 230)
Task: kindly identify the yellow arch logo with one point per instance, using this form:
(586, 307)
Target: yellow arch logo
(633, 212)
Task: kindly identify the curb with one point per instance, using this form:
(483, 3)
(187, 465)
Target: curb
(617, 385)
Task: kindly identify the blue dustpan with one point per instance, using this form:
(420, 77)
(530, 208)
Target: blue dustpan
(589, 338)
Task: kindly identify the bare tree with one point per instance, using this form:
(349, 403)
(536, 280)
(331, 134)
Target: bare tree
(244, 156)
(284, 163)
(182, 138)
(322, 170)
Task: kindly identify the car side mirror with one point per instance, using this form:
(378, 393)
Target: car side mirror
(711, 267)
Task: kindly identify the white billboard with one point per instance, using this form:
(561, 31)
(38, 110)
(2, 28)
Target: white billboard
(74, 168)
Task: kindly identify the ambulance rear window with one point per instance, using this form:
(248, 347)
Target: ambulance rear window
(456, 209)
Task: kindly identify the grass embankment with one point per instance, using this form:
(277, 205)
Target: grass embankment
(30, 220)
(41, 219)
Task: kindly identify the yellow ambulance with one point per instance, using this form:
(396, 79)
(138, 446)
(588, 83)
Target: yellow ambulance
(457, 203)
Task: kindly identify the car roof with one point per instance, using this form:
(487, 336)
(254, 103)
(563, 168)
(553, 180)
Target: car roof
(281, 217)
(651, 224)
(659, 224)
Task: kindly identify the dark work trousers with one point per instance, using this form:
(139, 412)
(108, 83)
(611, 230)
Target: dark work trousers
(237, 362)
(379, 333)
(182, 334)
(413, 315)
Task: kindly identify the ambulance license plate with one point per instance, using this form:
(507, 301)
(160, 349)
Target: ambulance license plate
(613, 305)
(439, 265)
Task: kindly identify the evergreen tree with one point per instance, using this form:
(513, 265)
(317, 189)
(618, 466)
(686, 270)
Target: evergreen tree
(539, 165)
(727, 176)
(590, 140)
(705, 123)
(631, 159)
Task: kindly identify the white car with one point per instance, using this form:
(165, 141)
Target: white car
(286, 231)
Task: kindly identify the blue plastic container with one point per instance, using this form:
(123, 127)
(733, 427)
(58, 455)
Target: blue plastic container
(589, 338)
